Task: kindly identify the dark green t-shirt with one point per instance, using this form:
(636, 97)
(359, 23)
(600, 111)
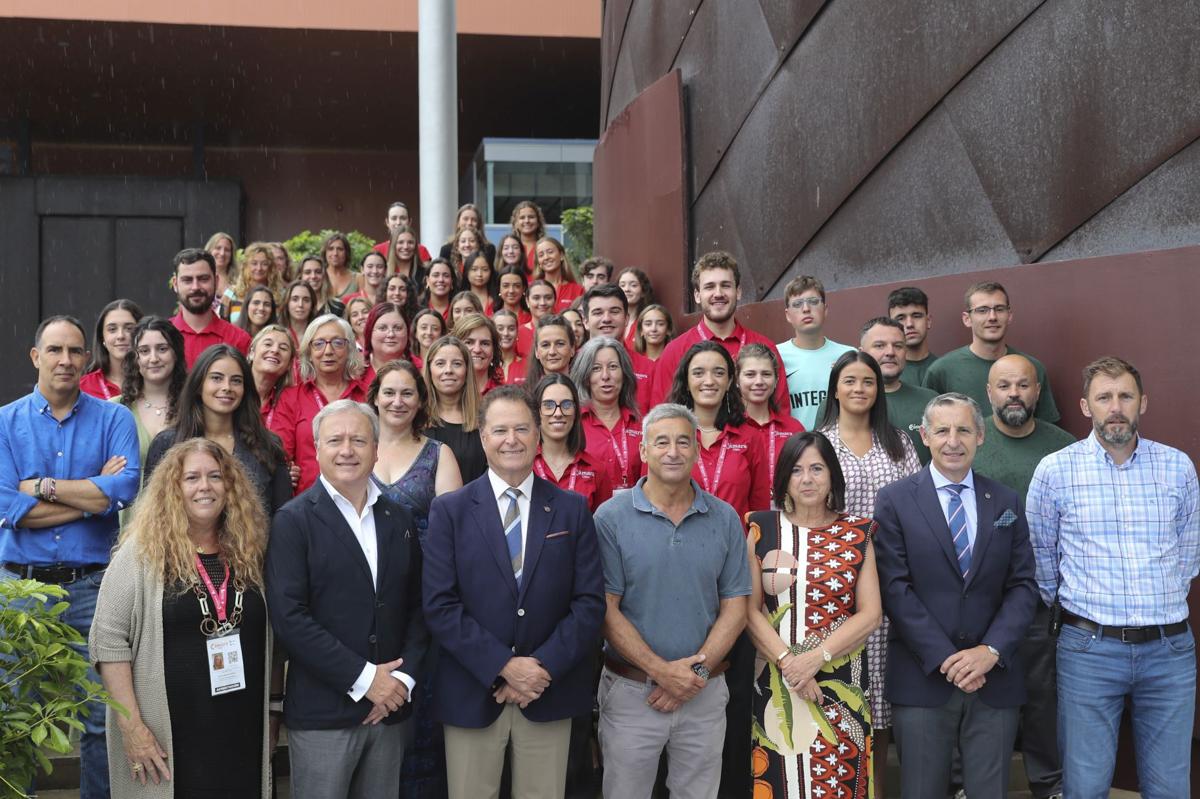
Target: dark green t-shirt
(965, 372)
(1012, 460)
(914, 371)
(905, 406)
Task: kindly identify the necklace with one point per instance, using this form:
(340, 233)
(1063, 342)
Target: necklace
(158, 409)
(708, 429)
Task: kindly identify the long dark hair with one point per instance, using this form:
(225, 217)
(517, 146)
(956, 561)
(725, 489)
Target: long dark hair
(421, 417)
(411, 307)
(793, 448)
(424, 298)
(732, 410)
(244, 317)
(248, 425)
(533, 367)
(575, 439)
(283, 312)
(100, 356)
(133, 383)
(881, 428)
(519, 271)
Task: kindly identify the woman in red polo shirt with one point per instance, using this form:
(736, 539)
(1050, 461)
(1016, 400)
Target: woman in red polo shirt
(330, 368)
(757, 374)
(110, 344)
(603, 374)
(562, 458)
(731, 464)
(439, 287)
(482, 340)
(385, 338)
(426, 327)
(554, 267)
(528, 225)
(511, 363)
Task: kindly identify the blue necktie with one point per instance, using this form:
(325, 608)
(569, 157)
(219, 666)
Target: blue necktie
(512, 532)
(958, 527)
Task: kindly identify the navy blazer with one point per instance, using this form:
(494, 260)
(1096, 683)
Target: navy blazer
(480, 619)
(330, 617)
(933, 611)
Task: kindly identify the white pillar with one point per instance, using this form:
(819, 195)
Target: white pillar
(437, 76)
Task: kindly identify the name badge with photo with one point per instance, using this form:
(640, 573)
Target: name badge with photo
(226, 666)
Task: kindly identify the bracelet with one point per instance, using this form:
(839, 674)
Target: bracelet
(37, 489)
(52, 494)
(782, 655)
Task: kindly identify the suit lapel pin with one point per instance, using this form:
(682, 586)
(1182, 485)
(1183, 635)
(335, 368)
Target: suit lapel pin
(546, 508)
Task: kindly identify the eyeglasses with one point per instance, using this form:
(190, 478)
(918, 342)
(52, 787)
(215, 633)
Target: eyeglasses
(988, 310)
(799, 303)
(550, 406)
(320, 344)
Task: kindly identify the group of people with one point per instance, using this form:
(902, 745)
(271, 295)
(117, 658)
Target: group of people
(507, 539)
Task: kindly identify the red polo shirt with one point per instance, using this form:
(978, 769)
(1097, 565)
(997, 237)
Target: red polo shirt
(668, 362)
(643, 370)
(734, 469)
(292, 422)
(566, 293)
(619, 448)
(218, 331)
(96, 384)
(516, 372)
(586, 476)
(778, 429)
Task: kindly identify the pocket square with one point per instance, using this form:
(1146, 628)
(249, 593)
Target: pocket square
(559, 534)
(1006, 519)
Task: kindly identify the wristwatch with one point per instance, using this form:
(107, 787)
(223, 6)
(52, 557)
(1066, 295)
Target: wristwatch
(701, 670)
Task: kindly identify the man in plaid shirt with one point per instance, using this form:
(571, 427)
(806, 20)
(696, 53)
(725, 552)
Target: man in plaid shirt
(1116, 538)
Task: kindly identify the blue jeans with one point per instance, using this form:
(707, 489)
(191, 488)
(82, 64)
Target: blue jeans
(1094, 676)
(93, 749)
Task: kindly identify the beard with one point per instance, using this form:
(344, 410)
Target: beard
(1116, 437)
(1014, 415)
(196, 302)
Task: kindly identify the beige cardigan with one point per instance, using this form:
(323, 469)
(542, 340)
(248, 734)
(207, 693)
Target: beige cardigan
(128, 627)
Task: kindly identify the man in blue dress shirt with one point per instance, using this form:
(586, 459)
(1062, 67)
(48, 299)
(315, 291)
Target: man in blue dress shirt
(68, 463)
(1116, 538)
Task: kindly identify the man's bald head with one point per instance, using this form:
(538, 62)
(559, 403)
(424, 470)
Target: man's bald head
(1013, 391)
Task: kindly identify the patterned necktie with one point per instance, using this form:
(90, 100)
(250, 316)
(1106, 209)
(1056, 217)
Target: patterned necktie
(958, 527)
(512, 532)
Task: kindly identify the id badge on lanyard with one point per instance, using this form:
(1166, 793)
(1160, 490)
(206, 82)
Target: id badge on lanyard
(223, 644)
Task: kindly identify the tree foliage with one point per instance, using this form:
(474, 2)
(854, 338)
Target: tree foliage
(577, 231)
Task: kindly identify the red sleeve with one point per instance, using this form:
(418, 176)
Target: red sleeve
(664, 373)
(424, 253)
(283, 424)
(760, 482)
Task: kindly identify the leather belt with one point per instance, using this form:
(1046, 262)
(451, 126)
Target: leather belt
(637, 675)
(55, 575)
(1126, 635)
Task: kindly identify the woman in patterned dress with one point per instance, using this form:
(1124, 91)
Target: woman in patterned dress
(872, 454)
(815, 601)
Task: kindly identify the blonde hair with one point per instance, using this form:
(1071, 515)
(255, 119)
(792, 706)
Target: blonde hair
(354, 359)
(468, 400)
(285, 379)
(568, 271)
(212, 242)
(274, 279)
(159, 525)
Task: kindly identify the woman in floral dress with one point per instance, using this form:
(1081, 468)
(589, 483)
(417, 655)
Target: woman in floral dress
(815, 601)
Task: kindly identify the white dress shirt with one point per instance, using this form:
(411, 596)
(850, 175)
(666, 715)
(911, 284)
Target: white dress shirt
(499, 486)
(363, 527)
(967, 495)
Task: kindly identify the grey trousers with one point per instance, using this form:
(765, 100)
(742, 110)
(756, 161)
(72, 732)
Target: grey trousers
(633, 735)
(925, 740)
(361, 762)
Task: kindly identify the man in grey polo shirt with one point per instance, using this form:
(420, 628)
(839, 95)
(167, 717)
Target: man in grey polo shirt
(676, 578)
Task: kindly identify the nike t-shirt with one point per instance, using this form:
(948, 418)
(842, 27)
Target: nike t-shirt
(808, 377)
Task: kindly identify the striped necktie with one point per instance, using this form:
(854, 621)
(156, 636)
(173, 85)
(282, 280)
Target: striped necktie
(512, 532)
(958, 527)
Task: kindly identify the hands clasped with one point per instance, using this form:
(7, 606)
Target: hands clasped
(524, 681)
(676, 684)
(968, 668)
(387, 693)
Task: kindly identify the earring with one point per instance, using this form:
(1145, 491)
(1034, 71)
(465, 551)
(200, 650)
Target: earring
(788, 505)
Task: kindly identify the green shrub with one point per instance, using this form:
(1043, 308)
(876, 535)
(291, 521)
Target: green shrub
(307, 243)
(44, 689)
(577, 231)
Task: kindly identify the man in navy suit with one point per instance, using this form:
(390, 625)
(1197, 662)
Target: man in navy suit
(343, 575)
(514, 597)
(956, 573)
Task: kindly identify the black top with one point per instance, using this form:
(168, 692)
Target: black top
(216, 740)
(274, 487)
(466, 447)
(489, 252)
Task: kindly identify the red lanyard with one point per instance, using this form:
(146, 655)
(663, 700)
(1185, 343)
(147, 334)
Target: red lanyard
(622, 454)
(271, 415)
(771, 451)
(219, 597)
(104, 387)
(539, 466)
(712, 488)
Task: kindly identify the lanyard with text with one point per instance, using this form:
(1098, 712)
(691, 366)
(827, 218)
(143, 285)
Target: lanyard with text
(271, 413)
(622, 454)
(104, 387)
(771, 451)
(539, 466)
(220, 599)
(716, 481)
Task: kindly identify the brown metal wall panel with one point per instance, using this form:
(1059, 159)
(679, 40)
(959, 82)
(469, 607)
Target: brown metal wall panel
(1076, 106)
(923, 205)
(639, 181)
(726, 60)
(1161, 210)
(835, 109)
(788, 19)
(653, 35)
(616, 14)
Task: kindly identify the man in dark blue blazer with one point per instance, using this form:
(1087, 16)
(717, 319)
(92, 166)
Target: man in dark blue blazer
(956, 574)
(514, 597)
(343, 577)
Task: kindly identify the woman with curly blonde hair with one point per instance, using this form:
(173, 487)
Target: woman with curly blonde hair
(257, 269)
(180, 636)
